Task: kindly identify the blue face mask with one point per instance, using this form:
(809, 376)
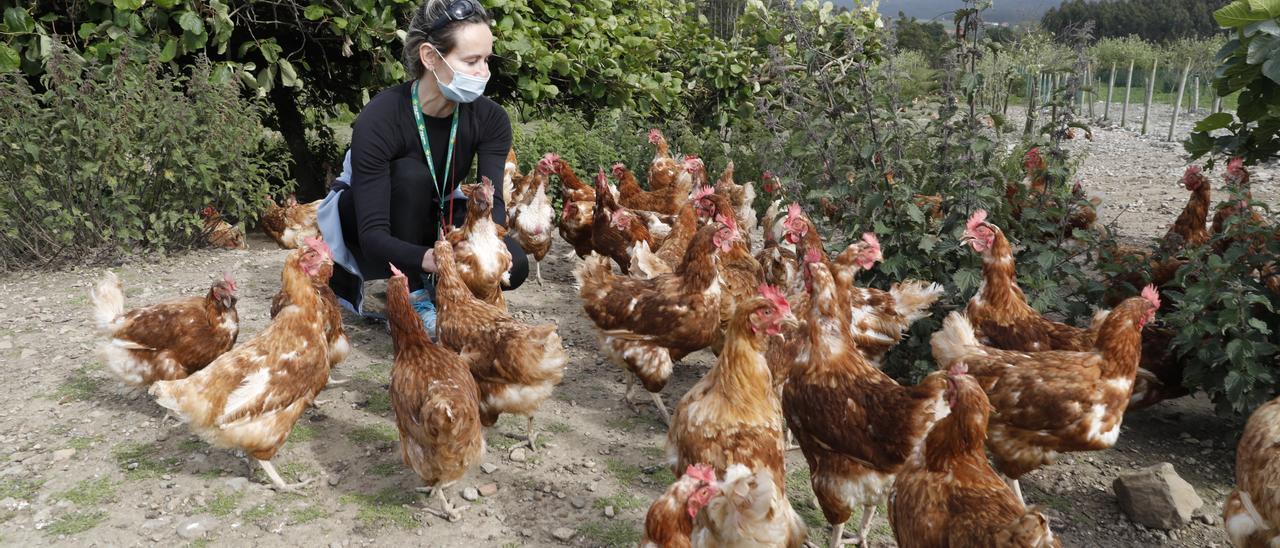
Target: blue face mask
(464, 88)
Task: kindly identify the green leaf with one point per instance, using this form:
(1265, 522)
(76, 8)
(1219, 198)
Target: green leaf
(1272, 7)
(170, 50)
(1271, 69)
(16, 20)
(1238, 14)
(288, 76)
(1215, 121)
(1260, 325)
(127, 4)
(166, 4)
(191, 22)
(315, 12)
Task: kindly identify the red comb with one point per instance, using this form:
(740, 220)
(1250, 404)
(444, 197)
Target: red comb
(958, 368)
(776, 297)
(601, 177)
(702, 472)
(1151, 295)
(703, 192)
(227, 279)
(395, 272)
(870, 238)
(793, 210)
(978, 218)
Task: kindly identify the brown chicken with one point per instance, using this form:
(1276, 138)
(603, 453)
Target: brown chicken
(1188, 229)
(1251, 514)
(531, 217)
(646, 263)
(1159, 268)
(631, 195)
(435, 400)
(748, 509)
(855, 425)
(575, 226)
(572, 189)
(220, 233)
(168, 340)
(646, 325)
(778, 263)
(290, 225)
(335, 333)
(511, 177)
(483, 259)
(740, 274)
(742, 198)
(614, 229)
(1238, 205)
(250, 397)
(515, 365)
(664, 170)
(732, 416)
(948, 495)
(1081, 214)
(669, 522)
(1052, 402)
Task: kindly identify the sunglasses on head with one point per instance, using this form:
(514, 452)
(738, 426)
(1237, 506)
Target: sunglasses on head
(458, 10)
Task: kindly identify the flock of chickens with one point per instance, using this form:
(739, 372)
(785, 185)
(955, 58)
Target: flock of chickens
(798, 346)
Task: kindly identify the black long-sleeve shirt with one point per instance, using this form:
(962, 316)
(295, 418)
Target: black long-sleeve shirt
(386, 150)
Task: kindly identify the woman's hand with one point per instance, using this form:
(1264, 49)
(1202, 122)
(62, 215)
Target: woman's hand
(429, 261)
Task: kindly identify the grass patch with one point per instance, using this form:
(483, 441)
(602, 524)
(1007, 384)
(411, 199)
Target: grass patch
(612, 533)
(633, 422)
(500, 441)
(143, 455)
(384, 469)
(20, 489)
(379, 402)
(558, 428)
(663, 477)
(76, 523)
(211, 474)
(91, 492)
(376, 373)
(307, 514)
(294, 472)
(223, 504)
(79, 386)
(82, 443)
(621, 471)
(620, 502)
(260, 513)
(200, 543)
(388, 508)
(79, 300)
(800, 493)
(302, 433)
(374, 434)
(192, 445)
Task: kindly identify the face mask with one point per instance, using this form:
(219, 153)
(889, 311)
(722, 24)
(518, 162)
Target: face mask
(464, 88)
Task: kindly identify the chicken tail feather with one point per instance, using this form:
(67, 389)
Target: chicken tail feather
(912, 299)
(954, 341)
(593, 275)
(108, 302)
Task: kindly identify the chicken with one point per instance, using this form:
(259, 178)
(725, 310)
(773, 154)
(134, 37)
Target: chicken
(855, 425)
(631, 195)
(646, 325)
(739, 271)
(669, 522)
(530, 217)
(435, 399)
(220, 233)
(748, 509)
(1052, 402)
(1251, 514)
(948, 495)
(742, 198)
(646, 263)
(1159, 268)
(732, 416)
(999, 312)
(168, 340)
(615, 229)
(335, 333)
(1188, 229)
(572, 189)
(515, 365)
(1080, 215)
(664, 170)
(483, 259)
(1237, 179)
(510, 177)
(291, 224)
(575, 226)
(250, 397)
(777, 262)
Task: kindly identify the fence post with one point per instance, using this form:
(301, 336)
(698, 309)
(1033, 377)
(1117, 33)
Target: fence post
(1111, 86)
(1128, 86)
(1182, 86)
(1151, 89)
(1195, 94)
(1092, 94)
(1033, 85)
(1217, 103)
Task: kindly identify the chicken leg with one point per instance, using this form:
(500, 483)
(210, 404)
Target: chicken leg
(537, 270)
(662, 408)
(447, 511)
(1017, 489)
(868, 513)
(531, 437)
(277, 482)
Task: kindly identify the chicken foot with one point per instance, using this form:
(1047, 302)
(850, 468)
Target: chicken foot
(537, 270)
(655, 396)
(447, 511)
(277, 482)
(662, 408)
(530, 438)
(837, 531)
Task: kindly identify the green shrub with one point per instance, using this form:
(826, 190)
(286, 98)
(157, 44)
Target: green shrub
(112, 159)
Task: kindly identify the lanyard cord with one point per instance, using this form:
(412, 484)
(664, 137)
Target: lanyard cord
(449, 167)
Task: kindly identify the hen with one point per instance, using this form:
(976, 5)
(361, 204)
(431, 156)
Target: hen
(220, 233)
(855, 425)
(1033, 192)
(1159, 268)
(250, 397)
(631, 195)
(732, 416)
(748, 509)
(291, 224)
(571, 187)
(669, 522)
(1251, 514)
(435, 400)
(739, 271)
(741, 197)
(615, 229)
(948, 495)
(575, 226)
(1052, 402)
(483, 259)
(530, 217)
(335, 333)
(168, 340)
(646, 325)
(646, 263)
(511, 178)
(515, 365)
(664, 170)
(777, 262)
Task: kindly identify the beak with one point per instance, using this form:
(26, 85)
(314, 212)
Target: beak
(790, 321)
(228, 301)
(965, 241)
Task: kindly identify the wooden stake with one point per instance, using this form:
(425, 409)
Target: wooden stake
(1195, 101)
(1111, 87)
(1034, 90)
(1128, 86)
(1151, 89)
(1182, 86)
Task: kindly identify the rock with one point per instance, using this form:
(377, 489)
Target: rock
(519, 455)
(334, 479)
(609, 512)
(470, 494)
(237, 485)
(63, 454)
(488, 468)
(1207, 519)
(488, 489)
(578, 502)
(563, 534)
(1157, 497)
(196, 527)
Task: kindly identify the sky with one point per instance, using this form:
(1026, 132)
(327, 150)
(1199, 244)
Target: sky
(1004, 11)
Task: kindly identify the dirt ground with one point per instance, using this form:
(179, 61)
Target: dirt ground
(85, 462)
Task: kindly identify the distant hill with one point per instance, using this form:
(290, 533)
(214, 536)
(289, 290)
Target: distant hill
(1005, 11)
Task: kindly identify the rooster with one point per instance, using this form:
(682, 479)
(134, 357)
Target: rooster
(856, 426)
(530, 217)
(168, 340)
(1251, 514)
(646, 325)
(220, 233)
(515, 365)
(1052, 402)
(483, 259)
(435, 400)
(291, 224)
(748, 509)
(250, 397)
(948, 495)
(614, 229)
(669, 522)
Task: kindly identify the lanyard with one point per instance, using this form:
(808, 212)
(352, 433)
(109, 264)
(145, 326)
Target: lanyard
(426, 147)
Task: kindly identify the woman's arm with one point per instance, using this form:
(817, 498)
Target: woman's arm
(374, 142)
(491, 154)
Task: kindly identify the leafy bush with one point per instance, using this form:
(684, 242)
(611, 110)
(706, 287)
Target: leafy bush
(111, 159)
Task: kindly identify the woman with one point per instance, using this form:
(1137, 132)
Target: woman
(387, 207)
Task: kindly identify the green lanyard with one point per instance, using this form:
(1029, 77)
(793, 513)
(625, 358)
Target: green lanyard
(426, 147)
